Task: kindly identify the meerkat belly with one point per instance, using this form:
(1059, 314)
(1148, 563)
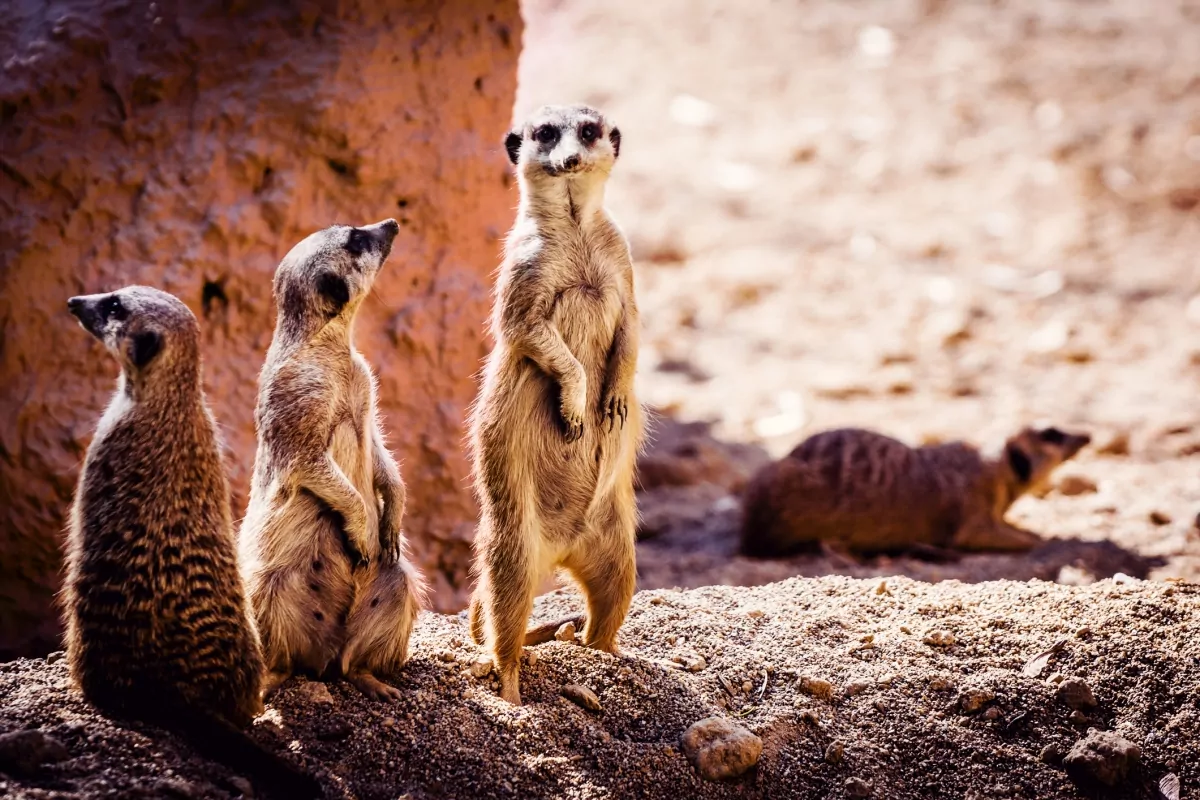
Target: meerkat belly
(586, 313)
(350, 446)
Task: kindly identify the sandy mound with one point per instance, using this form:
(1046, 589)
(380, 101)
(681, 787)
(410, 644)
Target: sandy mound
(857, 688)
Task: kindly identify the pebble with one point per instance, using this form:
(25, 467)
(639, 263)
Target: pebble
(1051, 754)
(1078, 718)
(882, 588)
(691, 662)
(856, 787)
(992, 713)
(971, 700)
(817, 687)
(834, 752)
(25, 752)
(480, 667)
(531, 657)
(1076, 693)
(1074, 485)
(565, 632)
(446, 656)
(581, 696)
(1102, 757)
(939, 683)
(940, 639)
(720, 749)
(855, 688)
(747, 687)
(314, 692)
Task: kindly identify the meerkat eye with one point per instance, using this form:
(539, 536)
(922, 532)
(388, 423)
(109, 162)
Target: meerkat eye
(546, 134)
(1052, 436)
(111, 308)
(357, 243)
(590, 132)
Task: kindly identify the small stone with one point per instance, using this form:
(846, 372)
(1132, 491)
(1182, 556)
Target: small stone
(388, 722)
(719, 748)
(446, 655)
(531, 657)
(25, 752)
(314, 692)
(747, 687)
(834, 752)
(656, 601)
(881, 705)
(1074, 485)
(671, 639)
(855, 688)
(973, 699)
(940, 639)
(1102, 757)
(755, 613)
(940, 683)
(817, 687)
(1083, 633)
(1076, 694)
(992, 713)
(565, 632)
(1051, 754)
(882, 589)
(690, 662)
(581, 696)
(1160, 518)
(810, 716)
(856, 787)
(57, 655)
(1168, 786)
(1078, 719)
(480, 667)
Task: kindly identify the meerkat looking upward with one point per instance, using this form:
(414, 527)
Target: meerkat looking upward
(321, 546)
(556, 427)
(157, 623)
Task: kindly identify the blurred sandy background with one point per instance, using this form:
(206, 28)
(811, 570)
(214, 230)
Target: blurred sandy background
(935, 219)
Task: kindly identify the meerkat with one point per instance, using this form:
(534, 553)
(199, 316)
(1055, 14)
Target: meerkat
(864, 491)
(322, 551)
(556, 427)
(157, 626)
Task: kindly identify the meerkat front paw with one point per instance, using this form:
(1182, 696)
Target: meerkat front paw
(355, 543)
(574, 404)
(615, 408)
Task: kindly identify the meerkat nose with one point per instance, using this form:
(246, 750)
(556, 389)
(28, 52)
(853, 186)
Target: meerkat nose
(76, 305)
(571, 162)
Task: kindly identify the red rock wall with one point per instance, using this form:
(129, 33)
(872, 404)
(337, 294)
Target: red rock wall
(188, 145)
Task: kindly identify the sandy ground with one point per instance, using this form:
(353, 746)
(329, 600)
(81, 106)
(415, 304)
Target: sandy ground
(939, 220)
(898, 705)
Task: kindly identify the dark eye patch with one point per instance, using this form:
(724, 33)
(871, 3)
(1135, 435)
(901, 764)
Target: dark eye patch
(589, 132)
(546, 134)
(1052, 436)
(112, 309)
(358, 242)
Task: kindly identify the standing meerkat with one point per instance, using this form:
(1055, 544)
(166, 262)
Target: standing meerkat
(157, 626)
(556, 427)
(322, 551)
(868, 492)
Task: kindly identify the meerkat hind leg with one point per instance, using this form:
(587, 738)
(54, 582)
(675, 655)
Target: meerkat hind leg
(378, 629)
(607, 571)
(509, 600)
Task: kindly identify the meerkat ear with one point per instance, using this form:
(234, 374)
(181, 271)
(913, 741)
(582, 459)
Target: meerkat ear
(614, 136)
(1022, 467)
(144, 347)
(334, 291)
(512, 143)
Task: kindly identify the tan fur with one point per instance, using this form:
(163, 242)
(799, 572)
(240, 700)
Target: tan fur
(867, 492)
(321, 546)
(556, 428)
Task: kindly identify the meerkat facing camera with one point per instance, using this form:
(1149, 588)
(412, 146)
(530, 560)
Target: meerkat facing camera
(556, 427)
(157, 626)
(322, 549)
(868, 492)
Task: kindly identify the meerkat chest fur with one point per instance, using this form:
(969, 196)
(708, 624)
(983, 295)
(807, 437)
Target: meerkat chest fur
(350, 441)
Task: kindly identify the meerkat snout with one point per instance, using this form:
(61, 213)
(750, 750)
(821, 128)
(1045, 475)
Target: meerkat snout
(564, 141)
(135, 323)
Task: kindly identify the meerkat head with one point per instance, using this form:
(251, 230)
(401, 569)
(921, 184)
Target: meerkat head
(1031, 455)
(564, 141)
(325, 277)
(148, 331)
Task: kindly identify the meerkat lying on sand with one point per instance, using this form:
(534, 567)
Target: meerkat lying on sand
(322, 552)
(556, 428)
(157, 623)
(867, 492)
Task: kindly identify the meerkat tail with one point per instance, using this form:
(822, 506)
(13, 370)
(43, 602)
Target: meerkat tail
(545, 632)
(224, 743)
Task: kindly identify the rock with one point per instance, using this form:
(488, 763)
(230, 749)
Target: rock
(882, 588)
(855, 688)
(481, 667)
(314, 692)
(1078, 719)
(992, 713)
(1168, 786)
(940, 639)
(565, 632)
(145, 165)
(973, 699)
(834, 752)
(581, 696)
(1102, 757)
(1074, 485)
(817, 687)
(1076, 693)
(720, 749)
(1160, 518)
(857, 787)
(1051, 754)
(690, 661)
(25, 752)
